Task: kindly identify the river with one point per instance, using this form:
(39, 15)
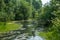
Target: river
(28, 31)
(36, 37)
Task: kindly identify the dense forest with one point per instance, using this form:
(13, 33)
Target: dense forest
(17, 14)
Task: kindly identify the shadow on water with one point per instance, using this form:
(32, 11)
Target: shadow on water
(30, 34)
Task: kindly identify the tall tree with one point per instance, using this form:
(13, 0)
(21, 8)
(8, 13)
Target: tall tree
(54, 27)
(7, 8)
(56, 22)
(22, 11)
(37, 4)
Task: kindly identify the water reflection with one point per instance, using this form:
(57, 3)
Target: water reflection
(29, 31)
(32, 38)
(32, 33)
(35, 38)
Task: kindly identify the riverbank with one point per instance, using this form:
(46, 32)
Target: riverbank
(9, 26)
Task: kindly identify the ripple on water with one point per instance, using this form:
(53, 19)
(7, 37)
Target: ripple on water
(35, 38)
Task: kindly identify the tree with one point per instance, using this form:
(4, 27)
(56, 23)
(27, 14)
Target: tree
(37, 4)
(7, 8)
(52, 12)
(22, 11)
(56, 22)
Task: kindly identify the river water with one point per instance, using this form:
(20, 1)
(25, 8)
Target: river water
(27, 32)
(26, 36)
(30, 38)
(35, 38)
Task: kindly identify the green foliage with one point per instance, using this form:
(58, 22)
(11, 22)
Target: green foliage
(36, 4)
(18, 9)
(47, 16)
(6, 9)
(23, 11)
(52, 12)
(8, 27)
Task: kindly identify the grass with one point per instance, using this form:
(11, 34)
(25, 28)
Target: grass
(45, 35)
(9, 26)
(50, 35)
